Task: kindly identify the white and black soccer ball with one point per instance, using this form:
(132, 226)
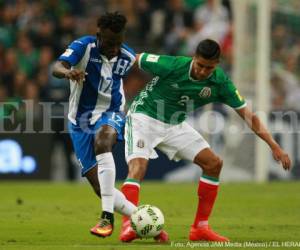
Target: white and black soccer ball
(147, 221)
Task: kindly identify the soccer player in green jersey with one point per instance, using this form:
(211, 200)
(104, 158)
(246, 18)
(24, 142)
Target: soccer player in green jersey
(156, 120)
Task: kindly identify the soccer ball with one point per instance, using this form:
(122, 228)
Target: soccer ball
(147, 221)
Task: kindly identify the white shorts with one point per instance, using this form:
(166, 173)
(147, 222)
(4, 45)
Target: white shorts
(143, 134)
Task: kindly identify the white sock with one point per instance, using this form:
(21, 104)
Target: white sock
(122, 205)
(106, 177)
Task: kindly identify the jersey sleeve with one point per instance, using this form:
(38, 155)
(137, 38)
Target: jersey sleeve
(74, 52)
(158, 65)
(130, 55)
(231, 96)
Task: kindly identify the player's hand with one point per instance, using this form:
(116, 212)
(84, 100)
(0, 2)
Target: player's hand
(75, 75)
(280, 156)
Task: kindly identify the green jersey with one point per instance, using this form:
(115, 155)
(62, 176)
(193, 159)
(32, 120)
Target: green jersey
(173, 93)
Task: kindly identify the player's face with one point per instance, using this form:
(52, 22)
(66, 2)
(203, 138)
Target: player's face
(110, 42)
(202, 68)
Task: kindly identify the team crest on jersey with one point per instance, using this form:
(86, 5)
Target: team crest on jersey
(140, 143)
(205, 92)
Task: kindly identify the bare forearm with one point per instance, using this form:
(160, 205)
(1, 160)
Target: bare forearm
(60, 70)
(258, 128)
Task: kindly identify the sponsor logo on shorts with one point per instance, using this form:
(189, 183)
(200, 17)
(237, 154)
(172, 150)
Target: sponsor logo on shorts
(140, 143)
(205, 92)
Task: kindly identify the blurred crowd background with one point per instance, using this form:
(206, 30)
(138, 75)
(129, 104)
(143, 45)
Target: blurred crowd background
(34, 33)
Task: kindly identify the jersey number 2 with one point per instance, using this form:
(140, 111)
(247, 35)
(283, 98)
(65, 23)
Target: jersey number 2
(183, 100)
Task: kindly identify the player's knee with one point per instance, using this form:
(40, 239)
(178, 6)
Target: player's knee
(213, 167)
(105, 138)
(216, 165)
(102, 145)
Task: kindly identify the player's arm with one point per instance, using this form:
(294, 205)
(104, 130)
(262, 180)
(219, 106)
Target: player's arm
(135, 66)
(258, 128)
(62, 69)
(156, 65)
(233, 98)
(137, 58)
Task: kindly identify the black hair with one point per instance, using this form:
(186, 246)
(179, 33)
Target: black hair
(208, 49)
(112, 20)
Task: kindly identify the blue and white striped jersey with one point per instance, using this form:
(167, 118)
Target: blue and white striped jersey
(102, 90)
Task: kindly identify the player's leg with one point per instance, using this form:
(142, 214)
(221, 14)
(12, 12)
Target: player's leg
(83, 143)
(141, 135)
(208, 185)
(108, 130)
(137, 152)
(105, 138)
(121, 204)
(131, 187)
(183, 142)
(137, 168)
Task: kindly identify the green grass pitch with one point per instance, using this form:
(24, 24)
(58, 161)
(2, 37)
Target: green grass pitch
(45, 215)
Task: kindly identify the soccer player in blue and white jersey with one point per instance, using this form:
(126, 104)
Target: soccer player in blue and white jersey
(96, 66)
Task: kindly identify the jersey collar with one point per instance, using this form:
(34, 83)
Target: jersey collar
(105, 59)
